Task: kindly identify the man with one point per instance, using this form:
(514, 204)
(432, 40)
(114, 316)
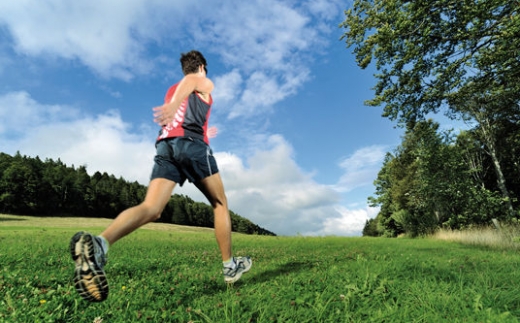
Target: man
(183, 152)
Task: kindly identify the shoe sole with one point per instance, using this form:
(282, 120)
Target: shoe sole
(89, 279)
(238, 275)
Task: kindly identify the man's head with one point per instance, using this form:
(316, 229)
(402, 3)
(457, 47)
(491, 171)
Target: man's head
(191, 61)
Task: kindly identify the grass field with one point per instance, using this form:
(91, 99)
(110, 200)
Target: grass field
(165, 273)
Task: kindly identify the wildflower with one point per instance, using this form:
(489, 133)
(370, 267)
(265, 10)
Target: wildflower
(42, 301)
(123, 287)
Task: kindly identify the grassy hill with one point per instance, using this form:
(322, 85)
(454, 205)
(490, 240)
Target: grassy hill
(167, 273)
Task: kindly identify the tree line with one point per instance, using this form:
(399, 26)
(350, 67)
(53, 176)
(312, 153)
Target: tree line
(456, 57)
(30, 186)
(438, 179)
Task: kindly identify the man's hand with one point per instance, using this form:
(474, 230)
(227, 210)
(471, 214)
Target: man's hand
(212, 132)
(163, 114)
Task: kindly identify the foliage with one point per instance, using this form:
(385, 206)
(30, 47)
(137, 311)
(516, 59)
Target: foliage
(459, 57)
(30, 186)
(430, 52)
(161, 276)
(370, 228)
(433, 180)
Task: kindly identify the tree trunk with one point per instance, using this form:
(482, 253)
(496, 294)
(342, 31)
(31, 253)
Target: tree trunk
(489, 140)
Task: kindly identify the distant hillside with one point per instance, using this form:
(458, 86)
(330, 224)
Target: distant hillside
(34, 187)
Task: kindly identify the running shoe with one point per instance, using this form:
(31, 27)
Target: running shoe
(90, 258)
(242, 265)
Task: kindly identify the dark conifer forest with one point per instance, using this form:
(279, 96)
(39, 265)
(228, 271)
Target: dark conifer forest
(30, 186)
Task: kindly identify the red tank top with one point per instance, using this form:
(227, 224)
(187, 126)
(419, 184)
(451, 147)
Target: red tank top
(191, 119)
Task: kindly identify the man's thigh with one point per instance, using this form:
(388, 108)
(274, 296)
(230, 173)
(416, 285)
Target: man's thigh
(213, 188)
(159, 192)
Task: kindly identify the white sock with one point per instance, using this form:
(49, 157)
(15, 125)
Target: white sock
(230, 263)
(104, 244)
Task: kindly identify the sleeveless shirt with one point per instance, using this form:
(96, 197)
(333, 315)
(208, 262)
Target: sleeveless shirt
(191, 118)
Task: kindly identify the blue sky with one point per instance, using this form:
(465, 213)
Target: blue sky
(297, 149)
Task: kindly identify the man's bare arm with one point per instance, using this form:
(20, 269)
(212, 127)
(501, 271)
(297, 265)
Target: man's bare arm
(197, 82)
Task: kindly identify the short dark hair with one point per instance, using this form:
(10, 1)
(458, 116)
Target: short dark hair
(191, 61)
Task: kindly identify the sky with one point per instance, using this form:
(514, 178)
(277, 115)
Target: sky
(297, 149)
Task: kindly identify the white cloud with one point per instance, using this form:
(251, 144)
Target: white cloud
(103, 143)
(20, 114)
(327, 9)
(268, 44)
(258, 34)
(262, 91)
(361, 168)
(226, 87)
(109, 37)
(272, 191)
(350, 222)
(269, 187)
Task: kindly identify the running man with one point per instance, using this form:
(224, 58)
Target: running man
(183, 152)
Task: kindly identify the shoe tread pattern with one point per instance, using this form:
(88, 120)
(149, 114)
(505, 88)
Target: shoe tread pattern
(89, 278)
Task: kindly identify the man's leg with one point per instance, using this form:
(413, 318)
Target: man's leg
(89, 251)
(234, 267)
(157, 196)
(213, 189)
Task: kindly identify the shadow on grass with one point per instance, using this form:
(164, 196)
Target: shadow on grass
(216, 286)
(289, 267)
(184, 290)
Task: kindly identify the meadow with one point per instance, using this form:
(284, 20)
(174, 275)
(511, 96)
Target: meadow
(168, 273)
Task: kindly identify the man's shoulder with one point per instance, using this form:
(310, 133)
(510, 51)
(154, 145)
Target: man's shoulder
(170, 92)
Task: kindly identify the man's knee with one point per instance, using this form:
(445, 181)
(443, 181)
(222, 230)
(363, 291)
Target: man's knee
(218, 200)
(156, 216)
(152, 213)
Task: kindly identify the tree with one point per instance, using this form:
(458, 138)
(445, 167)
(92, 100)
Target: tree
(411, 189)
(19, 186)
(428, 182)
(461, 56)
(370, 228)
(384, 183)
(491, 115)
(32, 187)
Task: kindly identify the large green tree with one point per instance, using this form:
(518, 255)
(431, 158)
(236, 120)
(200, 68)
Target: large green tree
(433, 180)
(413, 185)
(460, 57)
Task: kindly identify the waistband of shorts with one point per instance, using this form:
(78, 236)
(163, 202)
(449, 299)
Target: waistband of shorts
(169, 139)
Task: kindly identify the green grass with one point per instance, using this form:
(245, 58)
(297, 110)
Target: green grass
(170, 275)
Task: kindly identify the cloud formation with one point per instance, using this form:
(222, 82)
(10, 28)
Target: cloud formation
(269, 188)
(102, 35)
(360, 168)
(103, 143)
(267, 53)
(268, 50)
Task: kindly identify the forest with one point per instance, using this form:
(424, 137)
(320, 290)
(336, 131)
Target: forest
(30, 186)
(461, 59)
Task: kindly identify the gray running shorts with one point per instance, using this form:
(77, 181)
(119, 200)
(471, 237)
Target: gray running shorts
(181, 158)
